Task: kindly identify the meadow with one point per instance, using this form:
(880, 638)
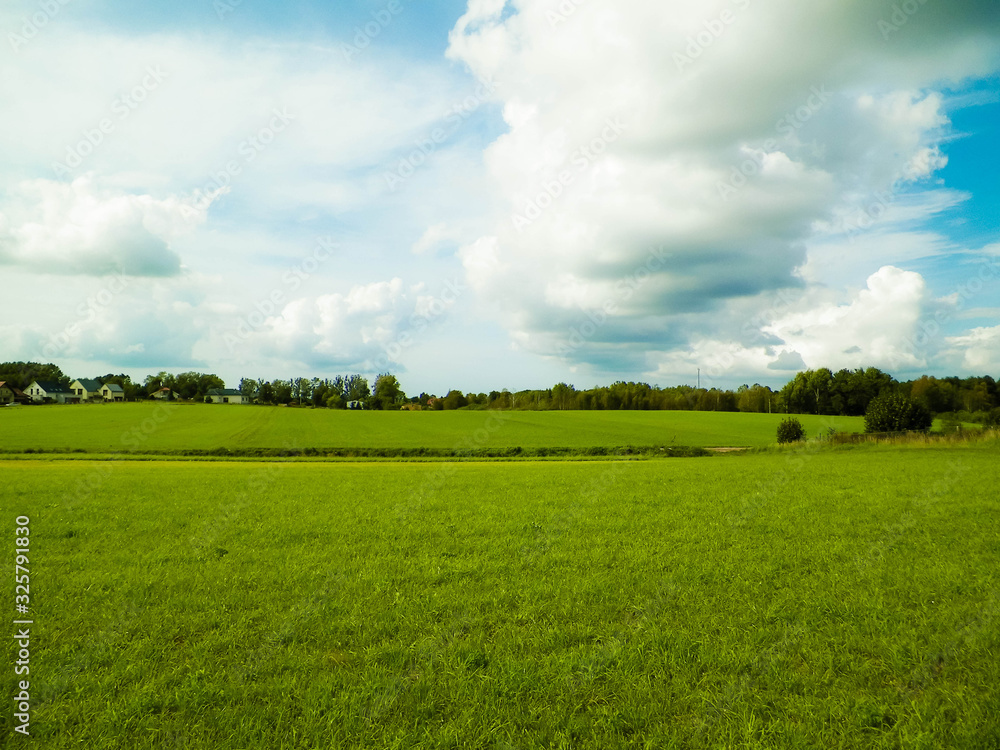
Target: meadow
(835, 598)
(102, 428)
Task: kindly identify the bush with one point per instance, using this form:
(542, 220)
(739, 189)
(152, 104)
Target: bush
(893, 412)
(790, 430)
(992, 419)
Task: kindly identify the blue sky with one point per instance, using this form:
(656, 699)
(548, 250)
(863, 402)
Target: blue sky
(501, 194)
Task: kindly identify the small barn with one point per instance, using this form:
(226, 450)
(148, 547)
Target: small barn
(226, 396)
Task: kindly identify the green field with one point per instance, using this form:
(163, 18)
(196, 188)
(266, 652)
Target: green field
(805, 599)
(147, 426)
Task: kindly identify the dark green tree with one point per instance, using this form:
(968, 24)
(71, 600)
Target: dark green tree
(455, 400)
(894, 412)
(388, 393)
(790, 430)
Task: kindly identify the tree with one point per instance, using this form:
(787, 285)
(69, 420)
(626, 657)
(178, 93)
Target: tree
(282, 391)
(894, 412)
(265, 392)
(388, 393)
(563, 396)
(790, 430)
(455, 400)
(21, 374)
(356, 388)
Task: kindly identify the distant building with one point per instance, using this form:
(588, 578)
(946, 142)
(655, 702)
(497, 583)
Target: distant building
(49, 391)
(355, 405)
(86, 390)
(11, 395)
(112, 392)
(227, 396)
(165, 394)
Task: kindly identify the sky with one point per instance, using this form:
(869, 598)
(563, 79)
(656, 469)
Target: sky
(486, 194)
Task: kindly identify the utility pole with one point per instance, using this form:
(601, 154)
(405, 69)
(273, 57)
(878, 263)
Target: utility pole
(699, 378)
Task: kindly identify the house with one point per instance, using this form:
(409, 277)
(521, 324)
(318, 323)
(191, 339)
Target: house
(355, 405)
(165, 394)
(227, 396)
(86, 390)
(11, 395)
(112, 392)
(48, 391)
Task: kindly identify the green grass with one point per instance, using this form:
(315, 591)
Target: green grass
(797, 599)
(146, 426)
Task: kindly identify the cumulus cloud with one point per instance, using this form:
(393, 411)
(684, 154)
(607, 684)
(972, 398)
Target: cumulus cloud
(369, 327)
(55, 228)
(632, 131)
(126, 320)
(976, 351)
(877, 327)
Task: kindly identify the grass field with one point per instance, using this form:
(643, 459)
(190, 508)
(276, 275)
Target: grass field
(809, 599)
(147, 426)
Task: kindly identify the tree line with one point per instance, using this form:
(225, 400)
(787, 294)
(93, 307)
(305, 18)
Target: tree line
(822, 391)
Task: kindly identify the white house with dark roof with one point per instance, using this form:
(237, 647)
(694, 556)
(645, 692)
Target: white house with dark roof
(112, 392)
(42, 391)
(86, 390)
(226, 396)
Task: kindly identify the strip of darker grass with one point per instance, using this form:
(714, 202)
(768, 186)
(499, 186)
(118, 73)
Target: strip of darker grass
(506, 453)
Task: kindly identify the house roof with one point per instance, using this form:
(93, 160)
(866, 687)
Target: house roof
(50, 386)
(90, 385)
(114, 387)
(224, 392)
(9, 387)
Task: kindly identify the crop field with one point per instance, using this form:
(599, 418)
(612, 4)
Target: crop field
(166, 427)
(834, 598)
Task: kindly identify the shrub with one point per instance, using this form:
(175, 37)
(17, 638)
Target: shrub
(992, 418)
(893, 412)
(790, 430)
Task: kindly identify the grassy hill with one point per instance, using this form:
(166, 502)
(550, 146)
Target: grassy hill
(112, 427)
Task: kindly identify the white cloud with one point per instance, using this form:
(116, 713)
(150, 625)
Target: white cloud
(366, 328)
(731, 167)
(874, 328)
(79, 228)
(977, 351)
